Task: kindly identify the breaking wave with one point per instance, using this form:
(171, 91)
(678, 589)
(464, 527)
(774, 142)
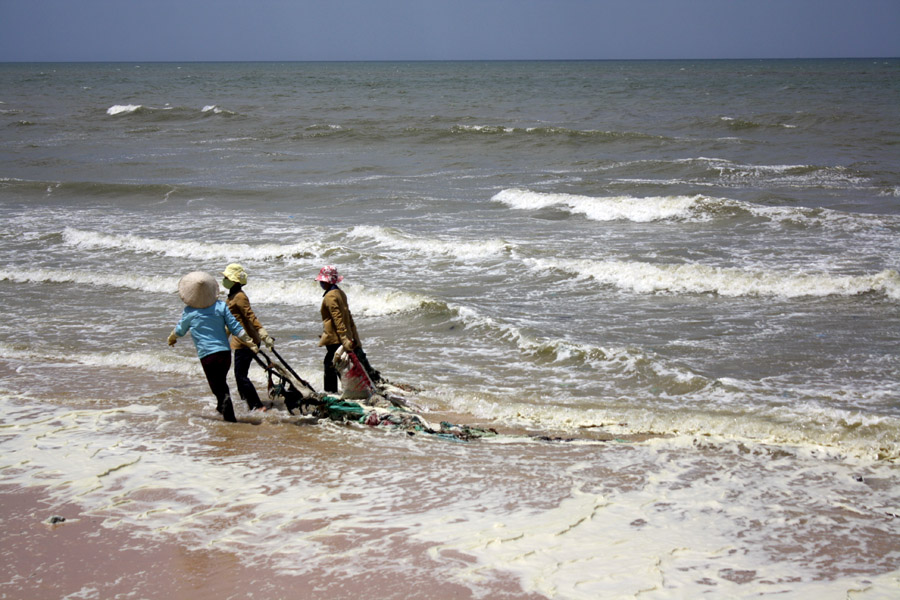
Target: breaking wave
(697, 208)
(86, 278)
(301, 293)
(558, 350)
(123, 109)
(738, 124)
(615, 208)
(200, 250)
(458, 249)
(166, 112)
(647, 278)
(190, 249)
(366, 301)
(638, 277)
(553, 132)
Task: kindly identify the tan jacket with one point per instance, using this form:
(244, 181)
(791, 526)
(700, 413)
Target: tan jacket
(337, 322)
(239, 304)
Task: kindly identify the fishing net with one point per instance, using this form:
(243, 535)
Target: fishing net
(362, 402)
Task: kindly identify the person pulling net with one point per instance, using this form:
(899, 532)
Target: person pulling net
(338, 328)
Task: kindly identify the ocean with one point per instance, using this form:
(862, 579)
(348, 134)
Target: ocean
(671, 287)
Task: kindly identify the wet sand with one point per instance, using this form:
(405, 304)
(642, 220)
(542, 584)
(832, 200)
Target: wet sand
(81, 558)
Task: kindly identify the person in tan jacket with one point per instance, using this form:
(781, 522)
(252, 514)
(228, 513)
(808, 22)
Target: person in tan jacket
(338, 328)
(235, 278)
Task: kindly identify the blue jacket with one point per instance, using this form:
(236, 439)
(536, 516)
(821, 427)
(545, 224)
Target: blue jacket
(208, 327)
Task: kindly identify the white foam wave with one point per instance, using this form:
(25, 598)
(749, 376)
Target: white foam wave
(459, 249)
(718, 408)
(303, 293)
(558, 350)
(614, 208)
(201, 250)
(119, 109)
(363, 301)
(125, 109)
(92, 278)
(324, 127)
(698, 208)
(647, 278)
(723, 165)
(150, 361)
(484, 128)
(188, 248)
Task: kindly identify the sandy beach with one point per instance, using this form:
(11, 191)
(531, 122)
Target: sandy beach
(83, 558)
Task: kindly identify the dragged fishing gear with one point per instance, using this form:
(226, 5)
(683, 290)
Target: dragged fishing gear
(291, 370)
(286, 385)
(361, 401)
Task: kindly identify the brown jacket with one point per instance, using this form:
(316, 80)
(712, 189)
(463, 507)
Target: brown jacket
(337, 322)
(240, 308)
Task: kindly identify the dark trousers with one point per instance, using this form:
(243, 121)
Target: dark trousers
(331, 374)
(374, 375)
(242, 359)
(216, 366)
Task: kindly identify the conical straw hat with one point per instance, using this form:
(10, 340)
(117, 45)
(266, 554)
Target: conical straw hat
(198, 289)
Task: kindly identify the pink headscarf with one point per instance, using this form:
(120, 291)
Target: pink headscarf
(330, 275)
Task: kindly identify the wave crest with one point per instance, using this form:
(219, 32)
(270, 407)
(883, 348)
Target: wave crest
(166, 113)
(697, 208)
(188, 248)
(647, 278)
(550, 132)
(613, 208)
(120, 109)
(461, 249)
(303, 293)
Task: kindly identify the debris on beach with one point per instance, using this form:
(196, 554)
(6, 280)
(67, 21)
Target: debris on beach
(379, 411)
(361, 401)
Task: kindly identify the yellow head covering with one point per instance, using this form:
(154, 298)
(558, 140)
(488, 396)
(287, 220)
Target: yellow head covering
(235, 273)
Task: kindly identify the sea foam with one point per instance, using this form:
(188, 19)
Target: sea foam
(302, 293)
(613, 208)
(696, 208)
(92, 278)
(648, 278)
(198, 250)
(119, 109)
(459, 249)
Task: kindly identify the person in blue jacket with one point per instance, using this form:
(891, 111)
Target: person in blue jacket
(209, 321)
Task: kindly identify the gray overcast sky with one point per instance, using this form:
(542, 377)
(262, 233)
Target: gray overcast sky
(203, 30)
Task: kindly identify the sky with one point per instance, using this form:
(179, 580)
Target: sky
(288, 30)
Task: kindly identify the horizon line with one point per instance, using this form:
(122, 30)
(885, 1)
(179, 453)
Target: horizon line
(440, 60)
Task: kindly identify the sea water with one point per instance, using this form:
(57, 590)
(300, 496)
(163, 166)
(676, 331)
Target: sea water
(672, 287)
